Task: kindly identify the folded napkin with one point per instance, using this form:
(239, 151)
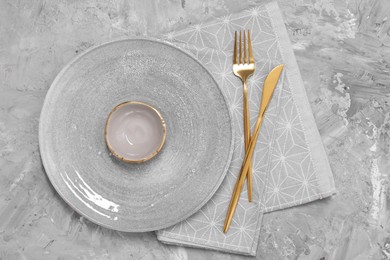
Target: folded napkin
(290, 166)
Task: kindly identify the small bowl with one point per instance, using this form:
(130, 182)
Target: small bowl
(135, 132)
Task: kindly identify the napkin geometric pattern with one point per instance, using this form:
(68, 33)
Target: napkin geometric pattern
(290, 165)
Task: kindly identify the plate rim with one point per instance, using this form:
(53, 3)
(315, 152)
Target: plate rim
(44, 155)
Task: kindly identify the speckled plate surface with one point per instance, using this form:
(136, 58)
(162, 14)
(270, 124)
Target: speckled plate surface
(135, 197)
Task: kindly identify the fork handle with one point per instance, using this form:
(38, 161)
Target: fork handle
(247, 143)
(247, 134)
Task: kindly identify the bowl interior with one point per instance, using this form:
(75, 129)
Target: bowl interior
(135, 132)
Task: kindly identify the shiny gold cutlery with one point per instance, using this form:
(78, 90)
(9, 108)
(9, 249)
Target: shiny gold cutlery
(268, 89)
(243, 67)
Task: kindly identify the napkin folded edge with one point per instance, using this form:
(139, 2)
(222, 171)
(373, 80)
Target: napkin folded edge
(313, 138)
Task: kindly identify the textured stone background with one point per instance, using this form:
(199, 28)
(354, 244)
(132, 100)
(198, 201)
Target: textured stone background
(343, 50)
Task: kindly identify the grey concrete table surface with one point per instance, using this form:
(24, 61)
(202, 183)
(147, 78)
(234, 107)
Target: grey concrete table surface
(343, 50)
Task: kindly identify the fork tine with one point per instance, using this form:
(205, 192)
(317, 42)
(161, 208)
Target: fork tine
(251, 58)
(235, 49)
(245, 57)
(240, 54)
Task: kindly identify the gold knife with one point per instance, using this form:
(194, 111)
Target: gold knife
(270, 84)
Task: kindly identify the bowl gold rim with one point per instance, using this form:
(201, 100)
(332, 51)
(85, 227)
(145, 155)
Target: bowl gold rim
(152, 154)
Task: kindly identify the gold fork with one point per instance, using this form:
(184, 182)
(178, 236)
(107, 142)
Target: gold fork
(243, 67)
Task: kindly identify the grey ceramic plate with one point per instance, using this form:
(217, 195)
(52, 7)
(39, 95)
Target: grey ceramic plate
(135, 197)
